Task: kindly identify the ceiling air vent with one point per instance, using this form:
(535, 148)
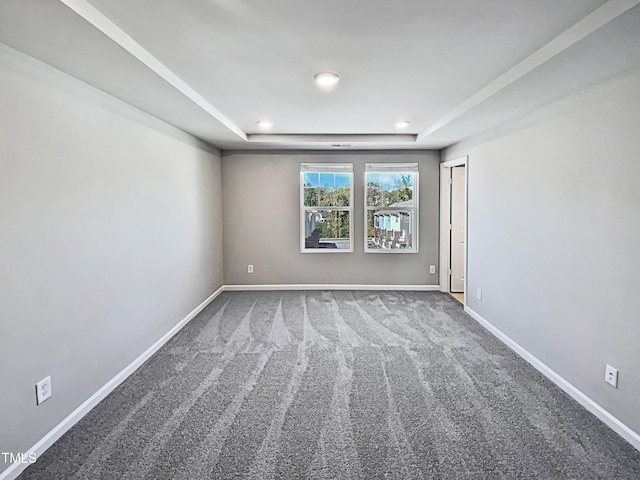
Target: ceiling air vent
(341, 145)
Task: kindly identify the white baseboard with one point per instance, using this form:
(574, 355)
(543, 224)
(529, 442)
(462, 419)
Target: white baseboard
(612, 422)
(74, 417)
(418, 288)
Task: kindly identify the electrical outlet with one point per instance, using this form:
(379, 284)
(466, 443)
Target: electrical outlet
(249, 268)
(479, 294)
(43, 390)
(432, 269)
(611, 376)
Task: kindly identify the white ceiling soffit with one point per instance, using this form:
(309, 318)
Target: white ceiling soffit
(115, 33)
(588, 25)
(454, 68)
(611, 51)
(52, 33)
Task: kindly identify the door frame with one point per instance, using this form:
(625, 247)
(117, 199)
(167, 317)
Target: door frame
(445, 222)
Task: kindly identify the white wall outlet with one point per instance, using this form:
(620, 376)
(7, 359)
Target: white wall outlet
(611, 376)
(43, 390)
(432, 269)
(479, 294)
(249, 268)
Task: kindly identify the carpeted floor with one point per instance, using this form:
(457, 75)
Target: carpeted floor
(332, 385)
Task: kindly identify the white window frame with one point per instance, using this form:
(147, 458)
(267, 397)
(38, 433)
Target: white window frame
(326, 168)
(386, 168)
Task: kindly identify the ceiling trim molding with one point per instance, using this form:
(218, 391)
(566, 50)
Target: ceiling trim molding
(115, 33)
(332, 138)
(589, 24)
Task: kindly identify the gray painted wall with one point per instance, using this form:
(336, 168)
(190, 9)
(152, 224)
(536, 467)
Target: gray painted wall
(554, 230)
(110, 227)
(261, 202)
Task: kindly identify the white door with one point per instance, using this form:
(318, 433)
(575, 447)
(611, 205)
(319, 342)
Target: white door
(457, 228)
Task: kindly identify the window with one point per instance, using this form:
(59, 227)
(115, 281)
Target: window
(326, 207)
(391, 207)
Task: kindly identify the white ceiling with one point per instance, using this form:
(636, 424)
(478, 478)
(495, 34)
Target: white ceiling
(454, 68)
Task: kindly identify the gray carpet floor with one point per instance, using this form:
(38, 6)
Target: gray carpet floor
(332, 385)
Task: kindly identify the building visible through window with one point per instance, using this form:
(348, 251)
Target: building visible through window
(326, 197)
(391, 208)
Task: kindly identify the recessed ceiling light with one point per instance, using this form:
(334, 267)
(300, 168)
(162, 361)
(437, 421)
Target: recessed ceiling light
(265, 124)
(402, 124)
(326, 79)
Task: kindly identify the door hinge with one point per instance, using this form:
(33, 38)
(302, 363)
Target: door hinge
(450, 227)
(450, 272)
(451, 181)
